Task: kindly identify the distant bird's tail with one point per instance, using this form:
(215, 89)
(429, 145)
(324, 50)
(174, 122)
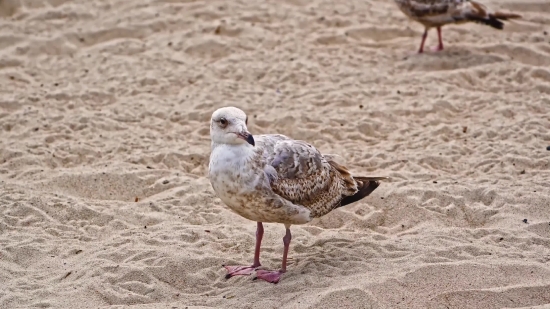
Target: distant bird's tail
(493, 19)
(365, 186)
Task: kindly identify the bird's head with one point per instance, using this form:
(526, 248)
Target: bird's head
(228, 126)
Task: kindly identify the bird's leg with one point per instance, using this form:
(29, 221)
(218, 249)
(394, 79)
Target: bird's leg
(424, 36)
(247, 270)
(440, 46)
(274, 276)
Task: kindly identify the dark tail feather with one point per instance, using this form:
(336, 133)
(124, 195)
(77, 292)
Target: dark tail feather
(366, 186)
(494, 20)
(491, 21)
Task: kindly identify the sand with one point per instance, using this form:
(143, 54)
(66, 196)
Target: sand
(104, 126)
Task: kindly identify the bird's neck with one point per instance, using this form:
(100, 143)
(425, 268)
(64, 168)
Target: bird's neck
(231, 153)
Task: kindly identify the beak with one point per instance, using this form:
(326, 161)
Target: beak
(247, 137)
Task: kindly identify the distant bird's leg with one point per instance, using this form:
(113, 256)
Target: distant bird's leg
(247, 270)
(424, 36)
(440, 46)
(274, 276)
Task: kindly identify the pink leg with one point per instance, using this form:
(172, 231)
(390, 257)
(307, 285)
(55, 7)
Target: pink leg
(424, 36)
(274, 276)
(440, 46)
(247, 270)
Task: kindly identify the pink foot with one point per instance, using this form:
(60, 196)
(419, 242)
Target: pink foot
(272, 276)
(239, 270)
(437, 48)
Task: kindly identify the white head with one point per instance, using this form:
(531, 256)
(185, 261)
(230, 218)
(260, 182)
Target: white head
(228, 126)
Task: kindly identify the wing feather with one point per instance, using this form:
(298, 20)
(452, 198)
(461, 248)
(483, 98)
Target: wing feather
(426, 10)
(435, 13)
(304, 176)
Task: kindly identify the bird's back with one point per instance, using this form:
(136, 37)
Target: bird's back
(436, 13)
(303, 176)
(431, 13)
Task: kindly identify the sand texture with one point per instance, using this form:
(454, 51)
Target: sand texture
(104, 147)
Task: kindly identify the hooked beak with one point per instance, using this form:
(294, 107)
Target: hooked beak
(247, 137)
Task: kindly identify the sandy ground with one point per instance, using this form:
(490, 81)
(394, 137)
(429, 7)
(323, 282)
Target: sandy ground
(104, 126)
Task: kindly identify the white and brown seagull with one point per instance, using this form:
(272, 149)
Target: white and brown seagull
(437, 13)
(273, 178)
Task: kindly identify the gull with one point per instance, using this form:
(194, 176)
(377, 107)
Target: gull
(437, 13)
(272, 178)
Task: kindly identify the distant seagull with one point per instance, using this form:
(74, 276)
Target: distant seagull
(273, 178)
(437, 13)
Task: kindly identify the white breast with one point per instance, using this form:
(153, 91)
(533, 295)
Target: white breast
(231, 175)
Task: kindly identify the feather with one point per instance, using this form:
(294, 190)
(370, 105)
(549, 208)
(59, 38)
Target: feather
(437, 13)
(305, 177)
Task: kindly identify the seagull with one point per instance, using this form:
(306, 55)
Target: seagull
(437, 13)
(272, 178)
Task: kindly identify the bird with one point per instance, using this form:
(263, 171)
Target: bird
(437, 13)
(272, 178)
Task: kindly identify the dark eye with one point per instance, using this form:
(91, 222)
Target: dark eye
(223, 122)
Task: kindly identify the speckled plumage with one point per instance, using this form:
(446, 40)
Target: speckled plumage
(273, 178)
(279, 180)
(437, 13)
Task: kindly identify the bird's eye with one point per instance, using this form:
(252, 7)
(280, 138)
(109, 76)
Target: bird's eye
(223, 122)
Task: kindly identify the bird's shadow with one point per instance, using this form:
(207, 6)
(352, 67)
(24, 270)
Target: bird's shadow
(449, 59)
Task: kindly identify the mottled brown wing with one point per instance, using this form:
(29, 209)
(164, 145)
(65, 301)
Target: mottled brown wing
(305, 177)
(419, 9)
(433, 13)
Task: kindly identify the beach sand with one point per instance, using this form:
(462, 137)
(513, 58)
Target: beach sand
(104, 147)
